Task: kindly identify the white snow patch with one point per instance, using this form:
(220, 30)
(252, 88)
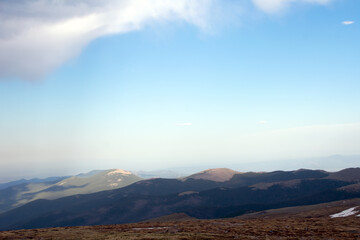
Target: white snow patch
(345, 213)
(61, 183)
(119, 180)
(113, 185)
(119, 171)
(150, 228)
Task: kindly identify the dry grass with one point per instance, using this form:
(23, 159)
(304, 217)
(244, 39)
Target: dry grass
(259, 228)
(318, 210)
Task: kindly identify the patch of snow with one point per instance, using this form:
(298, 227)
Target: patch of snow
(119, 180)
(113, 185)
(150, 228)
(119, 171)
(345, 213)
(61, 183)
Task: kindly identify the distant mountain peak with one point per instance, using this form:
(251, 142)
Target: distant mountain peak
(118, 171)
(215, 174)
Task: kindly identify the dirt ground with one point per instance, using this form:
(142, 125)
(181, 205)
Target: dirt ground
(260, 228)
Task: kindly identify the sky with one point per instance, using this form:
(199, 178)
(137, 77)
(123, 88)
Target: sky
(154, 84)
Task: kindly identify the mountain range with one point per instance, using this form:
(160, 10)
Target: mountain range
(21, 192)
(213, 193)
(33, 180)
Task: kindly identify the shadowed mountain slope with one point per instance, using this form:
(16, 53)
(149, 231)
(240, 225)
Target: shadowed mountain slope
(196, 197)
(33, 180)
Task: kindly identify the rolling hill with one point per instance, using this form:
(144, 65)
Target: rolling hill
(198, 198)
(216, 174)
(20, 194)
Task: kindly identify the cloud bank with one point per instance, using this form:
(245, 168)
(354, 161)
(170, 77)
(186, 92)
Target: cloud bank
(37, 36)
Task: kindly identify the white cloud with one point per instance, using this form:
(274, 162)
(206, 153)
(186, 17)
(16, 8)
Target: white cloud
(38, 36)
(273, 6)
(262, 122)
(347, 22)
(183, 124)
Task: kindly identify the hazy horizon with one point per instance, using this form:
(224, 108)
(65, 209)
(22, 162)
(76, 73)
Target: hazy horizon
(330, 163)
(162, 84)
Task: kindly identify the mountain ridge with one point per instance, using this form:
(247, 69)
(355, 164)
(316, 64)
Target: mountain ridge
(91, 182)
(153, 198)
(215, 174)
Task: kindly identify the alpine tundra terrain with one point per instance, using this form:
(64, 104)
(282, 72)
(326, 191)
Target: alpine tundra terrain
(322, 221)
(210, 194)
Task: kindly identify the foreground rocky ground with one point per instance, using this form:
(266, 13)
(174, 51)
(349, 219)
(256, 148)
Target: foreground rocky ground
(259, 228)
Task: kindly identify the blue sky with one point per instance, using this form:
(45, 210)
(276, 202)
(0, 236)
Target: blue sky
(113, 84)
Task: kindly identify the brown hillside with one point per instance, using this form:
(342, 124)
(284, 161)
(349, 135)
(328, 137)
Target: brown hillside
(257, 228)
(349, 174)
(215, 174)
(310, 211)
